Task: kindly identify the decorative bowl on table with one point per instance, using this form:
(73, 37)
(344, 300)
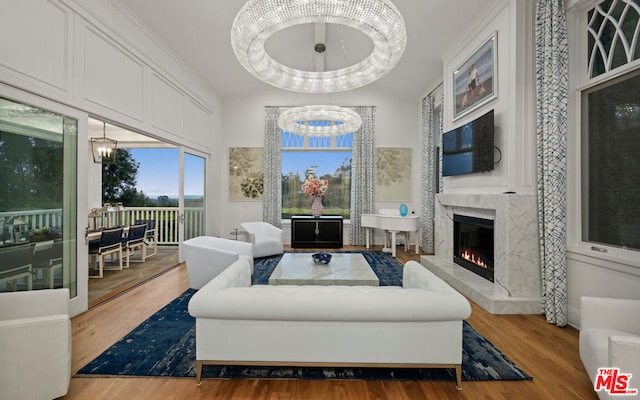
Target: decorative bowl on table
(321, 258)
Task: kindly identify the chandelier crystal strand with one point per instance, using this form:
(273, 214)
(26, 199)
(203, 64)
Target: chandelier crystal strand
(257, 20)
(299, 120)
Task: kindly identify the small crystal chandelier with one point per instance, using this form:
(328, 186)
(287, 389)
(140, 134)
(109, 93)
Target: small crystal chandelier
(104, 149)
(257, 20)
(319, 120)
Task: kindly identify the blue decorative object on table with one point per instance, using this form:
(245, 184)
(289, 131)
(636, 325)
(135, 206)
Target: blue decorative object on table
(321, 258)
(404, 210)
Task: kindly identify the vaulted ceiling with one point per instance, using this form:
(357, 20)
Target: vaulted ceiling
(199, 33)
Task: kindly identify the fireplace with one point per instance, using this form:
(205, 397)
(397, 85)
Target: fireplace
(516, 286)
(473, 246)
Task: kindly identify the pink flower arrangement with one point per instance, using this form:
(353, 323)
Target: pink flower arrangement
(315, 186)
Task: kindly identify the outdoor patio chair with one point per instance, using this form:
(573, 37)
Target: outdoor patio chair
(47, 257)
(151, 236)
(110, 243)
(135, 239)
(16, 264)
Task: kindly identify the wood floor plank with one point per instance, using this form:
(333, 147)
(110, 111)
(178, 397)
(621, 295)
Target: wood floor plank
(546, 352)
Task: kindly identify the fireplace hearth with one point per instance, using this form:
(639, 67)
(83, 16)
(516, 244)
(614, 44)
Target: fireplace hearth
(473, 245)
(516, 287)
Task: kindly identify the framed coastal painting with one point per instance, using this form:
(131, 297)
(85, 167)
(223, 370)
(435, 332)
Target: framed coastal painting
(393, 174)
(246, 173)
(475, 80)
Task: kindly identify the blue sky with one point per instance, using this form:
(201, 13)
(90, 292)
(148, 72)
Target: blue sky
(158, 172)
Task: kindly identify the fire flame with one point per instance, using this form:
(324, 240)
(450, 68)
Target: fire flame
(471, 257)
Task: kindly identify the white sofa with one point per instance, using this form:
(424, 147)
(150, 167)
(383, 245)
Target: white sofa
(266, 238)
(416, 325)
(207, 256)
(35, 344)
(610, 337)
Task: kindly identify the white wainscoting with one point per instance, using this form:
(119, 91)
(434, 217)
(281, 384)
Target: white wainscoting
(166, 105)
(35, 45)
(114, 78)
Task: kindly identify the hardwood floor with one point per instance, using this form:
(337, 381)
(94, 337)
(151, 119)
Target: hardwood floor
(544, 351)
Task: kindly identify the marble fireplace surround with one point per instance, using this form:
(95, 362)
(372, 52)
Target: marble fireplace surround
(517, 287)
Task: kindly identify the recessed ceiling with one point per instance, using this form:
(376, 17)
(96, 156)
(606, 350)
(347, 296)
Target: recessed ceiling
(198, 32)
(344, 46)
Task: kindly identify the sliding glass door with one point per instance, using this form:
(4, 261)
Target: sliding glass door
(193, 195)
(38, 198)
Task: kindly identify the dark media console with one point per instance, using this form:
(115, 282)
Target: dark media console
(322, 232)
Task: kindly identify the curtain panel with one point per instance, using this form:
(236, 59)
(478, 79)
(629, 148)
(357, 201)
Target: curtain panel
(551, 121)
(429, 170)
(441, 128)
(362, 173)
(428, 175)
(272, 196)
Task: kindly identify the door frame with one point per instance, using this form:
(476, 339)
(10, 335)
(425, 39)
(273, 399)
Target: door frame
(79, 303)
(206, 158)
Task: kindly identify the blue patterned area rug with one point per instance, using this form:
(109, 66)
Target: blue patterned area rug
(164, 345)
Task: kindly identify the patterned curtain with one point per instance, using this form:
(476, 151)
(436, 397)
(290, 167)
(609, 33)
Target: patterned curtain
(362, 182)
(428, 170)
(441, 127)
(428, 181)
(551, 111)
(272, 197)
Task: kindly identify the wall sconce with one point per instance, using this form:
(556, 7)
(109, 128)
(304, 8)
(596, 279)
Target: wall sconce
(104, 149)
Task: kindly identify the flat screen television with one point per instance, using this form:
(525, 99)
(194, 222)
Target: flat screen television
(469, 148)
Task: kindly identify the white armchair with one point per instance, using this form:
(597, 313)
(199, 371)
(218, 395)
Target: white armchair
(35, 344)
(207, 256)
(610, 337)
(266, 238)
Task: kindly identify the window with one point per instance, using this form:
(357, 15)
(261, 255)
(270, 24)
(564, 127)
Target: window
(611, 127)
(611, 166)
(612, 35)
(325, 157)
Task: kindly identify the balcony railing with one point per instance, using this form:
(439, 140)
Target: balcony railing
(16, 226)
(167, 221)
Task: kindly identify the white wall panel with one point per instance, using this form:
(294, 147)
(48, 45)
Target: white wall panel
(34, 43)
(198, 124)
(166, 109)
(113, 77)
(512, 21)
(591, 276)
(396, 123)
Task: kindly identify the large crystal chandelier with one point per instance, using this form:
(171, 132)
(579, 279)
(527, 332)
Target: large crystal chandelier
(319, 120)
(257, 20)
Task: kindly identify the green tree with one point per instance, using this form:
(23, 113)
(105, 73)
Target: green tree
(165, 201)
(133, 198)
(119, 181)
(31, 173)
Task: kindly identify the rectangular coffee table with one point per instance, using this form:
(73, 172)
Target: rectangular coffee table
(349, 269)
